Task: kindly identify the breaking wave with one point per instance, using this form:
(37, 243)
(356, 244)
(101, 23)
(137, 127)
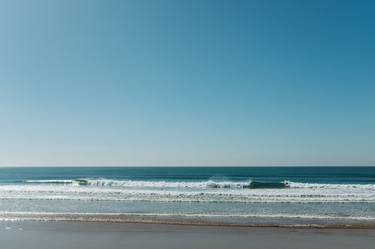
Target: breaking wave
(210, 184)
(164, 184)
(187, 191)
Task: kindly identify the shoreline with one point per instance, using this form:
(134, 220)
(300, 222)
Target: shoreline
(92, 235)
(172, 220)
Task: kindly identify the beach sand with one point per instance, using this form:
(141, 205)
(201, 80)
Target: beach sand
(91, 235)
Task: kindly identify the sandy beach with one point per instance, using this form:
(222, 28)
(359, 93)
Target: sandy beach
(90, 235)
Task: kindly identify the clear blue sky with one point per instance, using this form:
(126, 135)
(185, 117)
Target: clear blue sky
(187, 82)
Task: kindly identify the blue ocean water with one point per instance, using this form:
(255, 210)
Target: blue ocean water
(223, 195)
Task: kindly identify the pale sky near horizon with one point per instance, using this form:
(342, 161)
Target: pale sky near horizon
(167, 82)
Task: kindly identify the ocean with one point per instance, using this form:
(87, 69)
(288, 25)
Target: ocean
(249, 196)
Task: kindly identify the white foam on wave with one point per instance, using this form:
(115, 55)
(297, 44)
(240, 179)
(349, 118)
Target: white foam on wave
(144, 184)
(184, 191)
(330, 186)
(167, 184)
(103, 182)
(98, 193)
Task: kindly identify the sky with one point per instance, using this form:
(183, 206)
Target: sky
(172, 82)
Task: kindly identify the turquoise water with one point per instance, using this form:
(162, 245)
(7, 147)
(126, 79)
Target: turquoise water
(235, 195)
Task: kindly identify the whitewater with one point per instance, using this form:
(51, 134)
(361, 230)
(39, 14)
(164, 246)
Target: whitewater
(235, 196)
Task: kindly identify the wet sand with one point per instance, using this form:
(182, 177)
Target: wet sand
(91, 235)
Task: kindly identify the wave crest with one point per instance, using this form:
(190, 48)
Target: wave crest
(209, 184)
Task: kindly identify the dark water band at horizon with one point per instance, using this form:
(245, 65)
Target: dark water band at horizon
(323, 196)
